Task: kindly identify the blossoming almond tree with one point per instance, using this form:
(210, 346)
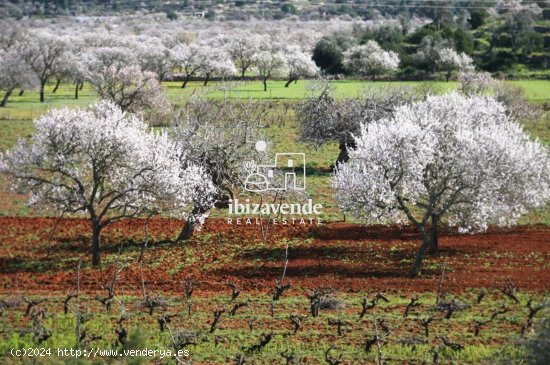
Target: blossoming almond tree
(370, 59)
(155, 57)
(129, 88)
(189, 59)
(216, 61)
(14, 74)
(449, 60)
(220, 136)
(268, 64)
(104, 163)
(42, 53)
(300, 65)
(451, 158)
(513, 97)
(475, 83)
(117, 57)
(242, 47)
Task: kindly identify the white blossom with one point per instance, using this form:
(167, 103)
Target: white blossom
(188, 58)
(130, 88)
(370, 59)
(299, 64)
(105, 163)
(215, 61)
(513, 97)
(154, 56)
(449, 60)
(268, 64)
(42, 53)
(456, 158)
(475, 83)
(115, 57)
(242, 47)
(14, 73)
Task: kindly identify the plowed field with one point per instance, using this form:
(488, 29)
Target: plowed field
(339, 255)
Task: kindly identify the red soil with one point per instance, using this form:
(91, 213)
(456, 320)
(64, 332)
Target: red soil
(343, 256)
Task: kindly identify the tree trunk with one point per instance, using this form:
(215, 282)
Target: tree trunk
(206, 79)
(242, 73)
(76, 91)
(448, 76)
(5, 98)
(344, 155)
(187, 230)
(290, 81)
(56, 86)
(81, 86)
(185, 82)
(419, 257)
(96, 230)
(430, 243)
(21, 92)
(265, 84)
(42, 84)
(189, 226)
(434, 236)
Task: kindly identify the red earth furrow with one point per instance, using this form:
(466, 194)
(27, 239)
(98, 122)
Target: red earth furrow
(340, 255)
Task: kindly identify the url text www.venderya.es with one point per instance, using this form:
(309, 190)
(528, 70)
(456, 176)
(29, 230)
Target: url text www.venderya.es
(97, 352)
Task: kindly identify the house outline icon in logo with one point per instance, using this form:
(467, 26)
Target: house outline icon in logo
(261, 179)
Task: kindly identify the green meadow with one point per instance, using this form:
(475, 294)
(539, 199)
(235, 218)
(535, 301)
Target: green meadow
(28, 107)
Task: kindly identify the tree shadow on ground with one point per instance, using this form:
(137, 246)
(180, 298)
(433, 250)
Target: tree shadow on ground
(339, 269)
(62, 250)
(13, 265)
(318, 171)
(356, 232)
(322, 252)
(343, 231)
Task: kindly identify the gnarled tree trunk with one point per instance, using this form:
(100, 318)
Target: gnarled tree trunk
(185, 82)
(42, 85)
(290, 81)
(189, 226)
(434, 236)
(96, 231)
(430, 243)
(419, 257)
(242, 73)
(57, 83)
(343, 156)
(5, 98)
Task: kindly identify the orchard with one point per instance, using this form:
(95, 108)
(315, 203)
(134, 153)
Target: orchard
(284, 182)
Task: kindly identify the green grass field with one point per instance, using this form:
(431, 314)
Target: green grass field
(27, 106)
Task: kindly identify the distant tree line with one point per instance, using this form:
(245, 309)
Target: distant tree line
(506, 42)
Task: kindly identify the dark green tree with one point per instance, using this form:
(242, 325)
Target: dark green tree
(327, 53)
